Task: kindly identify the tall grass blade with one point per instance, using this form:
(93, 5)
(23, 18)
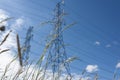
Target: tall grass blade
(5, 38)
(19, 51)
(6, 19)
(4, 51)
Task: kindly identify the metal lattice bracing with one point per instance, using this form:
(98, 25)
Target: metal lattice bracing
(57, 55)
(26, 47)
(116, 75)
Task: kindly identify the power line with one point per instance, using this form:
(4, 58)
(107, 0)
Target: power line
(83, 54)
(84, 62)
(75, 52)
(57, 55)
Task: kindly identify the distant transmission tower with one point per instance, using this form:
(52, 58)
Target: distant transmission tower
(57, 58)
(117, 74)
(27, 46)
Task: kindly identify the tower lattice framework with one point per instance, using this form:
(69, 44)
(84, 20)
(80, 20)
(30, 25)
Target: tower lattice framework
(57, 57)
(27, 46)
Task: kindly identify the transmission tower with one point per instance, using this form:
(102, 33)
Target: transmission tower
(57, 58)
(27, 46)
(117, 74)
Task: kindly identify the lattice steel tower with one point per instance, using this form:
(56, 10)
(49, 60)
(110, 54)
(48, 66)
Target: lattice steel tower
(116, 74)
(27, 46)
(57, 55)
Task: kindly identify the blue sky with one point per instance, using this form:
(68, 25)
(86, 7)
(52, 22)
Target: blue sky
(94, 38)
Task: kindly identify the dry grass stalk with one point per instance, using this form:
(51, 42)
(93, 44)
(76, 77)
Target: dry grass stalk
(27, 68)
(4, 51)
(68, 26)
(5, 20)
(19, 51)
(5, 38)
(7, 67)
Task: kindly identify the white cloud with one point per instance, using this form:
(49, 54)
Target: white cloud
(79, 77)
(19, 21)
(97, 43)
(86, 78)
(91, 68)
(7, 57)
(18, 24)
(3, 15)
(118, 65)
(10, 43)
(108, 46)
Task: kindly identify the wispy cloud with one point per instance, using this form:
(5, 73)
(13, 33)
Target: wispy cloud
(116, 43)
(97, 43)
(17, 24)
(108, 46)
(91, 68)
